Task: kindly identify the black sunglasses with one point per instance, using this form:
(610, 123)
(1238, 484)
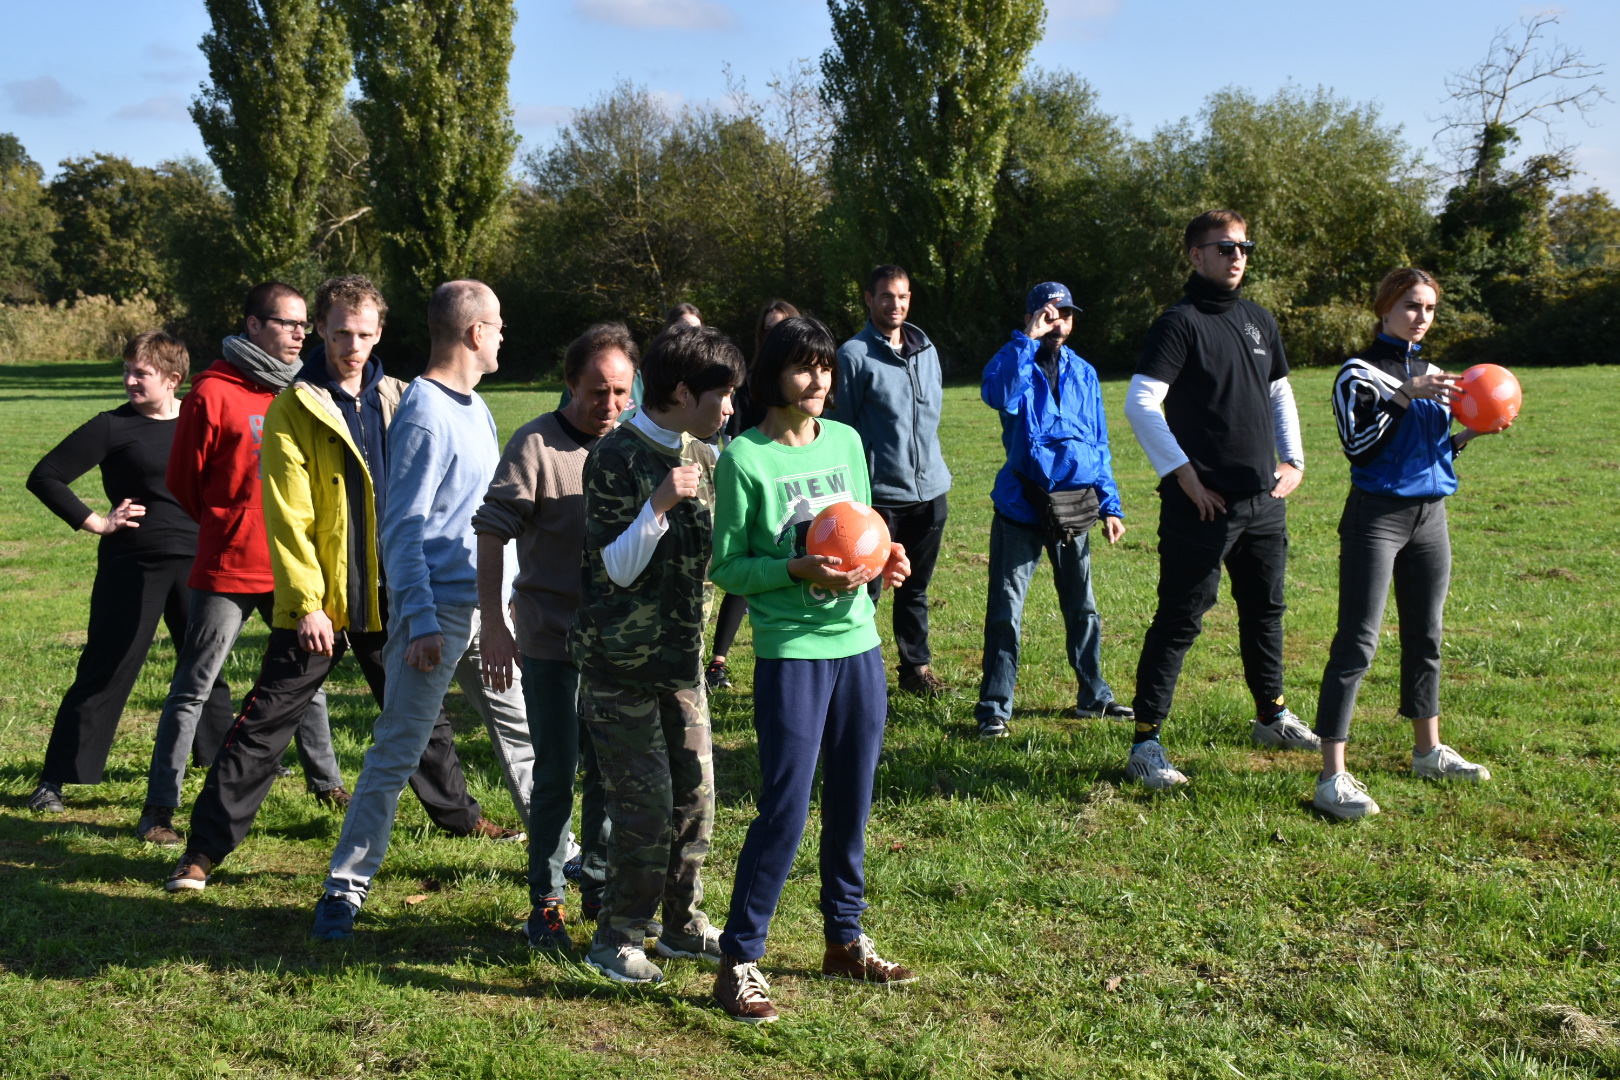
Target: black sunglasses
(1229, 248)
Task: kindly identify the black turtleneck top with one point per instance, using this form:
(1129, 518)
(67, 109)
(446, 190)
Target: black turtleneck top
(1220, 354)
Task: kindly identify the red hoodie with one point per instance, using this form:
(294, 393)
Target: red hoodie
(214, 474)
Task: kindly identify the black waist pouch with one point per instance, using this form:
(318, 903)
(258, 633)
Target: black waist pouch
(1064, 514)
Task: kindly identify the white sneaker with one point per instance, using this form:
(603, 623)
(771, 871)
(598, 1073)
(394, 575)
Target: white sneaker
(1343, 796)
(1149, 766)
(1286, 732)
(623, 963)
(1444, 763)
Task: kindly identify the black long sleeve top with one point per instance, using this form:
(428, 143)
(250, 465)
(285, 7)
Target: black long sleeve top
(133, 453)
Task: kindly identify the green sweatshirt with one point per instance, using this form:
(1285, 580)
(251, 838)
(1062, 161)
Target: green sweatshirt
(765, 496)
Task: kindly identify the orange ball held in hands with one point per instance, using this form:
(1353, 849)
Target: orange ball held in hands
(1488, 398)
(852, 532)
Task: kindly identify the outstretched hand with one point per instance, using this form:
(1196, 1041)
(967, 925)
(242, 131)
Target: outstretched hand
(121, 516)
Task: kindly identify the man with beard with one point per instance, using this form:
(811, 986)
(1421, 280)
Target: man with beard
(1057, 481)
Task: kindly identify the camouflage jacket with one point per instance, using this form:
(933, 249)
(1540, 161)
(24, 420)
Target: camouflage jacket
(649, 635)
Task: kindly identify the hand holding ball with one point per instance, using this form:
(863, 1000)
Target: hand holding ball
(851, 532)
(1487, 398)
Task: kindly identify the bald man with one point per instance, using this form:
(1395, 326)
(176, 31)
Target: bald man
(441, 455)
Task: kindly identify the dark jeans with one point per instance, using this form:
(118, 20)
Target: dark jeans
(919, 527)
(1383, 537)
(1251, 539)
(1015, 550)
(246, 766)
(728, 622)
(562, 748)
(128, 598)
(805, 709)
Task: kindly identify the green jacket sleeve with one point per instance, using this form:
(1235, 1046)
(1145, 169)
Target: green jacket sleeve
(736, 567)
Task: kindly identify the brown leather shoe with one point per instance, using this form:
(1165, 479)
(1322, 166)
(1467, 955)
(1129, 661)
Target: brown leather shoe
(742, 991)
(859, 960)
(334, 798)
(488, 830)
(191, 872)
(922, 681)
(157, 826)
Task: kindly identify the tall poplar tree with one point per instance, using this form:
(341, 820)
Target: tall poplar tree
(433, 74)
(277, 71)
(922, 96)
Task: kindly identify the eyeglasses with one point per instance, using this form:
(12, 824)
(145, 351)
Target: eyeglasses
(290, 325)
(1228, 248)
(500, 327)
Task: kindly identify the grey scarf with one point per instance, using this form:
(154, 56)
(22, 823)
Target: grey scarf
(259, 365)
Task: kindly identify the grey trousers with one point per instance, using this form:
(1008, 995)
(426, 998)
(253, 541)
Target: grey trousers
(506, 717)
(1385, 537)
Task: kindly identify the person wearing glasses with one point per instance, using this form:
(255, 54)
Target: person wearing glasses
(1211, 405)
(213, 472)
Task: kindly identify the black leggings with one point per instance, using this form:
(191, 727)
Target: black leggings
(728, 622)
(127, 600)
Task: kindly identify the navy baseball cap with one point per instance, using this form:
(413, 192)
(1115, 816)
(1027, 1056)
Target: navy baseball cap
(1049, 292)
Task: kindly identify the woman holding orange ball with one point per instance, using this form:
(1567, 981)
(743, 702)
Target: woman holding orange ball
(1394, 419)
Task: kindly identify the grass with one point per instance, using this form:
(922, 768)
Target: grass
(1064, 924)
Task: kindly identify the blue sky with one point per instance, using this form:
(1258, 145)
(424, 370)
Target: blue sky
(78, 76)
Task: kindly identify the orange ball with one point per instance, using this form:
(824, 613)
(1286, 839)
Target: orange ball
(852, 532)
(1488, 398)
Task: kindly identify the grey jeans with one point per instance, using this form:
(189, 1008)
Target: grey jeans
(1385, 537)
(410, 708)
(506, 718)
(213, 624)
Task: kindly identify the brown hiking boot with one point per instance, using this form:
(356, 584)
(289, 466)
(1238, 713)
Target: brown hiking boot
(922, 681)
(488, 830)
(191, 872)
(157, 826)
(859, 960)
(742, 991)
(334, 798)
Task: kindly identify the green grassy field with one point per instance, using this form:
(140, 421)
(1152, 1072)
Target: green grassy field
(1063, 924)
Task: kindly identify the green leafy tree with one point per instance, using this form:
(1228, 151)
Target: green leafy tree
(26, 224)
(277, 71)
(1586, 229)
(922, 97)
(433, 74)
(107, 239)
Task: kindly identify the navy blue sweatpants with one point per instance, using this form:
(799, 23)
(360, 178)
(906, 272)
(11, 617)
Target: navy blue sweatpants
(834, 709)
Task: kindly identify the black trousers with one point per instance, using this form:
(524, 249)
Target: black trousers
(919, 527)
(242, 774)
(127, 600)
(1251, 539)
(728, 622)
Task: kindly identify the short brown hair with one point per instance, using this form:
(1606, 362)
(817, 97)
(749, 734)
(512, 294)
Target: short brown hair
(700, 356)
(263, 298)
(1207, 222)
(167, 355)
(1396, 284)
(353, 291)
(455, 306)
(593, 342)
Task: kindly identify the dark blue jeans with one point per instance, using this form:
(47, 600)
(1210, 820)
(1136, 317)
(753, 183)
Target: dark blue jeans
(561, 750)
(805, 709)
(1015, 549)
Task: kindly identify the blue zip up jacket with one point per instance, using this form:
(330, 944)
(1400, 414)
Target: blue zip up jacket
(894, 402)
(1393, 451)
(1058, 442)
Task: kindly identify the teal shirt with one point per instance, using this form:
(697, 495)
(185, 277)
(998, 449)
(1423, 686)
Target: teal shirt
(765, 497)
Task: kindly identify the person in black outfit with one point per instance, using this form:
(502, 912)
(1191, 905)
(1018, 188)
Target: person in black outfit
(745, 415)
(1211, 405)
(147, 544)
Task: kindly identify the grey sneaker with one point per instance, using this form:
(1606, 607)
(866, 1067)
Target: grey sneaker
(703, 945)
(1149, 766)
(624, 963)
(1286, 732)
(46, 799)
(1343, 796)
(1444, 763)
(992, 728)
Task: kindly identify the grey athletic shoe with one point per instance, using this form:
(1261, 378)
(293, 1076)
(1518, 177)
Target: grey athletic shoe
(1343, 796)
(1286, 732)
(703, 945)
(1444, 763)
(1148, 765)
(624, 963)
(46, 799)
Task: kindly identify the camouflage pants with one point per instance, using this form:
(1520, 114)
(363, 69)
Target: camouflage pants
(658, 773)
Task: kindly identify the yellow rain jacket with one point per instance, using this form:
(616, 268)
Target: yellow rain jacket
(304, 461)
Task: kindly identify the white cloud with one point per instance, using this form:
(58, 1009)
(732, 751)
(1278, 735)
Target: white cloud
(43, 96)
(658, 14)
(163, 53)
(1080, 20)
(168, 108)
(530, 116)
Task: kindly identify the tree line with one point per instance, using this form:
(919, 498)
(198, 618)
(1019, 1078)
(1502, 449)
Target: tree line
(922, 137)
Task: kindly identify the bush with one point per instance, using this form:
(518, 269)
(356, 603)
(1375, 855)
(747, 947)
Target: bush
(89, 328)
